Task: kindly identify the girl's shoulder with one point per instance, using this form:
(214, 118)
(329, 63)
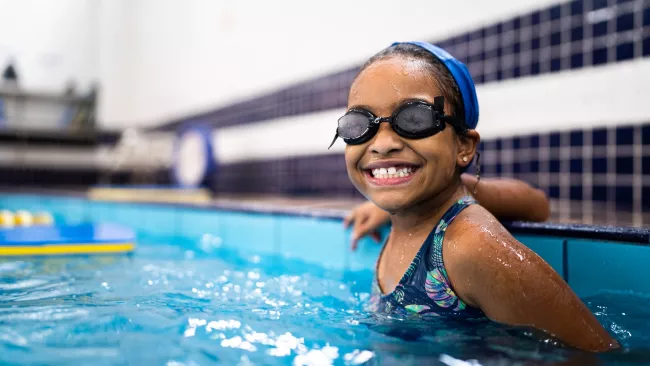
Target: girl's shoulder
(478, 245)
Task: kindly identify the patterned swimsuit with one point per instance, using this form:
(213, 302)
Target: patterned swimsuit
(425, 288)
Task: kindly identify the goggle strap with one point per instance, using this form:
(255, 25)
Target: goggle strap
(455, 122)
(336, 135)
(439, 104)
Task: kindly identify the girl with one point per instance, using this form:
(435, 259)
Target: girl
(410, 133)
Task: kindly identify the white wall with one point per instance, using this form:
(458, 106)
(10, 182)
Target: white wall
(51, 41)
(191, 55)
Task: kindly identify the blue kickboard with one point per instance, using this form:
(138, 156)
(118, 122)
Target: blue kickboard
(67, 234)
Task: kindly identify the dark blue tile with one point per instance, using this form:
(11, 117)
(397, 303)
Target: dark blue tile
(576, 61)
(599, 29)
(645, 200)
(624, 196)
(556, 12)
(575, 193)
(577, 7)
(534, 141)
(645, 165)
(516, 23)
(624, 165)
(556, 38)
(575, 166)
(534, 44)
(599, 165)
(555, 139)
(599, 137)
(516, 143)
(577, 34)
(534, 166)
(576, 138)
(624, 51)
(645, 135)
(534, 68)
(599, 4)
(625, 136)
(554, 166)
(516, 72)
(554, 191)
(535, 18)
(556, 64)
(516, 168)
(499, 75)
(498, 168)
(498, 144)
(599, 193)
(516, 47)
(646, 46)
(646, 16)
(623, 1)
(599, 56)
(625, 22)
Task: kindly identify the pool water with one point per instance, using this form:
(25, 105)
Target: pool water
(187, 303)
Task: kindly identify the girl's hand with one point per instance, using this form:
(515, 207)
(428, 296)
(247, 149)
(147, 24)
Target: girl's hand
(366, 219)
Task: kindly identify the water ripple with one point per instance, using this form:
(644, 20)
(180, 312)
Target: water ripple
(163, 306)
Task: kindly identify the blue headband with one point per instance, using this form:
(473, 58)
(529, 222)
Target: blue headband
(462, 77)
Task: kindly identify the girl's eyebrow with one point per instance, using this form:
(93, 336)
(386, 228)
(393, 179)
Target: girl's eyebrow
(360, 106)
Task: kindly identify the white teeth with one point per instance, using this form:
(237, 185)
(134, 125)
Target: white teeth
(392, 172)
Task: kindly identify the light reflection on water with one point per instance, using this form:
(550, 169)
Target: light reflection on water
(166, 305)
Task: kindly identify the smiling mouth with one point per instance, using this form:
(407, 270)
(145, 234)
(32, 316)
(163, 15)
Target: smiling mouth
(392, 172)
(393, 175)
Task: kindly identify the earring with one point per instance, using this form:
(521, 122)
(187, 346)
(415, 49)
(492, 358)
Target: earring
(465, 159)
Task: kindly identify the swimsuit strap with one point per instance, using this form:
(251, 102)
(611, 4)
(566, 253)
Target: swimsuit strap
(439, 231)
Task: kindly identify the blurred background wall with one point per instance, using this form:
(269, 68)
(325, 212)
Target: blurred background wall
(563, 85)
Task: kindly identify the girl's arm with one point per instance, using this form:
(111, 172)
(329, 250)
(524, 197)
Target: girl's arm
(509, 199)
(512, 285)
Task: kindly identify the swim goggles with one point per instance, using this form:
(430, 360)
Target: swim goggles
(412, 120)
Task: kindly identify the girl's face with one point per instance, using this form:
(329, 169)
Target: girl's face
(416, 170)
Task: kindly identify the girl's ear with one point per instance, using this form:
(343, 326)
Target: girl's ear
(467, 145)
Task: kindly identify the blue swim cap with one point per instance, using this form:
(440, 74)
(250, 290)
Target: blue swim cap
(462, 77)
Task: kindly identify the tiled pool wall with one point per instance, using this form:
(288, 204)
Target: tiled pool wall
(588, 265)
(599, 166)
